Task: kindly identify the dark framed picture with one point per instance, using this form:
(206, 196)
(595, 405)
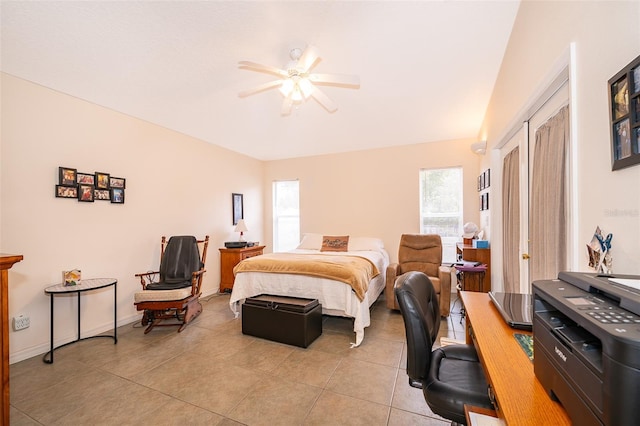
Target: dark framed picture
(481, 202)
(487, 179)
(482, 181)
(102, 180)
(117, 195)
(116, 182)
(238, 208)
(624, 116)
(67, 176)
(479, 188)
(102, 194)
(85, 193)
(86, 178)
(63, 191)
(486, 201)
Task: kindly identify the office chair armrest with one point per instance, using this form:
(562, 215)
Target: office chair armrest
(145, 278)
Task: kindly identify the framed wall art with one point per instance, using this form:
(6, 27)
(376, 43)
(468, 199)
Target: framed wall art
(238, 208)
(86, 178)
(88, 187)
(102, 194)
(63, 191)
(85, 193)
(67, 176)
(624, 116)
(117, 195)
(102, 180)
(116, 182)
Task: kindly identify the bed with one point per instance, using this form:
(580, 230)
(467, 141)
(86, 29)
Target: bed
(336, 296)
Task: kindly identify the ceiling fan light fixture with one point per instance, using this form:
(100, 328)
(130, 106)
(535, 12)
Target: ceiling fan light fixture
(296, 82)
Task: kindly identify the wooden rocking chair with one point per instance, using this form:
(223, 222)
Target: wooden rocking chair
(176, 295)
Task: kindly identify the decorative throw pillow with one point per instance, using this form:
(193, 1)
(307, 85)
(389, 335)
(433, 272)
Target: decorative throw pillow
(335, 243)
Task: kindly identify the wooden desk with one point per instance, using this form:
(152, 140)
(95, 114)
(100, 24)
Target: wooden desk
(520, 398)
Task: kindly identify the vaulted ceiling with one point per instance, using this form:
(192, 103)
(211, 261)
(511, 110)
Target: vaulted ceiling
(426, 68)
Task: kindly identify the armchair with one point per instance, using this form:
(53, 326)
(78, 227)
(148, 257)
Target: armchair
(177, 293)
(422, 253)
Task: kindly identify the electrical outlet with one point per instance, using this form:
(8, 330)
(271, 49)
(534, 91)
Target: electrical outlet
(21, 322)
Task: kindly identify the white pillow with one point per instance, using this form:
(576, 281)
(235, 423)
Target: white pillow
(365, 243)
(311, 242)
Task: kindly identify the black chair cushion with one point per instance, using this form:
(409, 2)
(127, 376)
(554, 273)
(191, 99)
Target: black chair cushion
(180, 260)
(455, 378)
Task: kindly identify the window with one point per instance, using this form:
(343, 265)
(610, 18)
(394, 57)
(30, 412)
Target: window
(286, 215)
(441, 207)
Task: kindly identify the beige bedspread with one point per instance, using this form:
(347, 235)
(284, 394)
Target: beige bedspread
(353, 270)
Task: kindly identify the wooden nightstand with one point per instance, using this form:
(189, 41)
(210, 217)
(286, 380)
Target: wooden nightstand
(229, 258)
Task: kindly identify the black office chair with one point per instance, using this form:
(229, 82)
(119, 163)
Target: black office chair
(449, 377)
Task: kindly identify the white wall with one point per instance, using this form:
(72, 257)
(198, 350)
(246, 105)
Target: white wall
(606, 37)
(373, 193)
(175, 185)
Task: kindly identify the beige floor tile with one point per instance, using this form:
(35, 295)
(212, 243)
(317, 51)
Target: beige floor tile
(408, 398)
(18, 418)
(261, 355)
(208, 383)
(333, 342)
(49, 405)
(311, 367)
(270, 402)
(378, 351)
(364, 380)
(335, 409)
(404, 418)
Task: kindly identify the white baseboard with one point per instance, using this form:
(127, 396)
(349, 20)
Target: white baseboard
(43, 348)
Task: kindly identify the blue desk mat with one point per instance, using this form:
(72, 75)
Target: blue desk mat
(526, 343)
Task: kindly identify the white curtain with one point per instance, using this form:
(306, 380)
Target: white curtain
(511, 221)
(548, 222)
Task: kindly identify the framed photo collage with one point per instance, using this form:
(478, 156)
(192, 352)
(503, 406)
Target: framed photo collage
(89, 187)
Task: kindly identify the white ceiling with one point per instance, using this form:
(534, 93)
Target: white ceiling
(427, 68)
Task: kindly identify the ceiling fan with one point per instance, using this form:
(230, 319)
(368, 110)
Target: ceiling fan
(296, 81)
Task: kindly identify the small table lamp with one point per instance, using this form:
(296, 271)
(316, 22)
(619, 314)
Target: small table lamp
(241, 228)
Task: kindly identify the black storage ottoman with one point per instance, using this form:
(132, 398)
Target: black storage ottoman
(283, 319)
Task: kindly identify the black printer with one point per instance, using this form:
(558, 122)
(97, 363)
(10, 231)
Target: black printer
(586, 331)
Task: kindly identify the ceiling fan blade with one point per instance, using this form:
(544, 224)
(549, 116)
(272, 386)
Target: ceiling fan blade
(308, 59)
(254, 66)
(336, 79)
(260, 88)
(286, 105)
(323, 100)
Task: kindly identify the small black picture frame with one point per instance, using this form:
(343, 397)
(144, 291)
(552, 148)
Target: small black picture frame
(116, 182)
(102, 194)
(86, 178)
(63, 191)
(237, 207)
(117, 195)
(102, 180)
(85, 193)
(67, 176)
